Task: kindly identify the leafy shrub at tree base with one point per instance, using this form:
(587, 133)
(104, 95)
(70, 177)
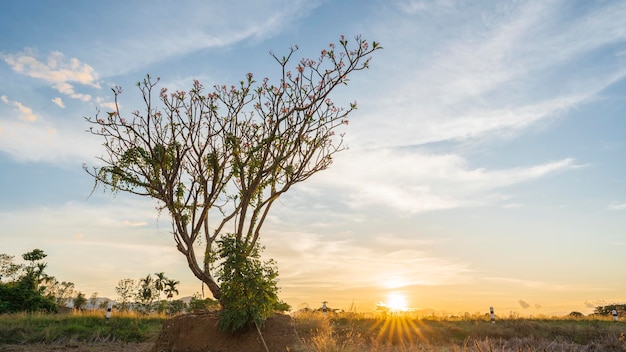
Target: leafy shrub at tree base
(249, 285)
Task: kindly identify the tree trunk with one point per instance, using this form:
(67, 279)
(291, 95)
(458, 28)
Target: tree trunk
(202, 275)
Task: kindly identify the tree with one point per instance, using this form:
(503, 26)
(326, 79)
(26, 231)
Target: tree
(104, 304)
(9, 271)
(176, 307)
(22, 295)
(230, 154)
(61, 291)
(24, 291)
(80, 301)
(146, 294)
(197, 303)
(170, 288)
(36, 268)
(608, 309)
(159, 282)
(34, 256)
(125, 290)
(575, 315)
(93, 299)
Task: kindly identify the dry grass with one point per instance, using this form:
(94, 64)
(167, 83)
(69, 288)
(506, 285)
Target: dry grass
(348, 332)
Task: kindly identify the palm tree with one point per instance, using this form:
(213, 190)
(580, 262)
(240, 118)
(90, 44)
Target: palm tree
(159, 283)
(170, 288)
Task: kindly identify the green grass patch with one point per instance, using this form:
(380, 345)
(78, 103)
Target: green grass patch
(90, 328)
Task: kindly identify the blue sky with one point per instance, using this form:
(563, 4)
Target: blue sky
(486, 160)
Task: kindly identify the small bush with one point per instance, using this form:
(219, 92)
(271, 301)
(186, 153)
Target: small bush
(249, 285)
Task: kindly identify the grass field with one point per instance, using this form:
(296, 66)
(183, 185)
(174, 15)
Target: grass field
(87, 327)
(346, 332)
(359, 332)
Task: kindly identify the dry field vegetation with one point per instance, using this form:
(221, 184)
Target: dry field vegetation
(403, 332)
(345, 332)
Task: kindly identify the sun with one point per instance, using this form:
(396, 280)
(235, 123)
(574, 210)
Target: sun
(397, 301)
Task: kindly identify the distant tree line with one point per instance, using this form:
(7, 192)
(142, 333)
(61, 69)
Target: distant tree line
(28, 288)
(608, 309)
(149, 294)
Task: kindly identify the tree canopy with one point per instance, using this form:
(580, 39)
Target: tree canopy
(219, 160)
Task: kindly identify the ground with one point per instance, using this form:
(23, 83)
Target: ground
(81, 347)
(190, 333)
(199, 332)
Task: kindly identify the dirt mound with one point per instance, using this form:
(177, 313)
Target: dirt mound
(200, 332)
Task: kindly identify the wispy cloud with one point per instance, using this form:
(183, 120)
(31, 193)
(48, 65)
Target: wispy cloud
(616, 206)
(206, 26)
(47, 141)
(421, 6)
(330, 261)
(413, 181)
(540, 285)
(57, 70)
(494, 77)
(25, 113)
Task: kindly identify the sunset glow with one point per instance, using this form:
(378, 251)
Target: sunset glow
(397, 301)
(484, 166)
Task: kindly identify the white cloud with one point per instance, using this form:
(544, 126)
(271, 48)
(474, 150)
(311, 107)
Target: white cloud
(25, 113)
(56, 70)
(412, 181)
(58, 102)
(68, 90)
(106, 104)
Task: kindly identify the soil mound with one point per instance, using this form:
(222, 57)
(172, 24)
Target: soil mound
(200, 332)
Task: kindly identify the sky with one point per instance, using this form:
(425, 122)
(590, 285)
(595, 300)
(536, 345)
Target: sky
(486, 161)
